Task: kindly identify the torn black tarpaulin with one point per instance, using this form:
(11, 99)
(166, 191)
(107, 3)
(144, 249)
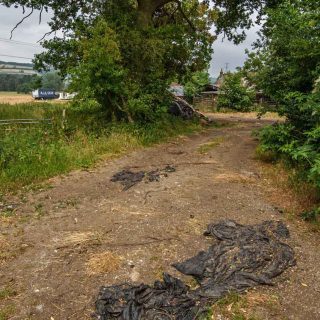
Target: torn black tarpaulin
(243, 257)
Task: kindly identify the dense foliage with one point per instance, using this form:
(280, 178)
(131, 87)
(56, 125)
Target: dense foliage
(196, 84)
(125, 53)
(235, 93)
(50, 80)
(16, 82)
(287, 68)
(26, 83)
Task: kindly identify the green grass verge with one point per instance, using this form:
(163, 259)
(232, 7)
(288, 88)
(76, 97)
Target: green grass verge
(31, 154)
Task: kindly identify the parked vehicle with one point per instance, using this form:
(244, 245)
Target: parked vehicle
(66, 95)
(44, 94)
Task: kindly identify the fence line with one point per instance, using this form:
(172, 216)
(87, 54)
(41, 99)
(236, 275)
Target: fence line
(24, 121)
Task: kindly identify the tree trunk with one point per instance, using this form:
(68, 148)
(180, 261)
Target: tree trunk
(146, 9)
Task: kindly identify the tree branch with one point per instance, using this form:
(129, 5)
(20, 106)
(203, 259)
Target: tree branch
(20, 22)
(185, 16)
(40, 15)
(46, 34)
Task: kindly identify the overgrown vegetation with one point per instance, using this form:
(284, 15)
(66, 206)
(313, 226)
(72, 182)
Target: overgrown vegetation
(298, 139)
(29, 154)
(287, 68)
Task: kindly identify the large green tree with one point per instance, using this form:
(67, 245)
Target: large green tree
(52, 80)
(288, 55)
(287, 68)
(124, 53)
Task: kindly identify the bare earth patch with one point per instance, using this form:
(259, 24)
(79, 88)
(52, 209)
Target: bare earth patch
(107, 236)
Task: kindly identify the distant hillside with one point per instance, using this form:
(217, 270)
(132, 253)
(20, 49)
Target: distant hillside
(16, 64)
(16, 68)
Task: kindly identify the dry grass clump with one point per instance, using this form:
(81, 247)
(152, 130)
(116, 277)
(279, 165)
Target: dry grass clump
(70, 239)
(76, 238)
(104, 262)
(3, 242)
(195, 226)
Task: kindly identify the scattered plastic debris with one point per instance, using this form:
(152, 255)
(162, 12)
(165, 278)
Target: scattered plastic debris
(243, 257)
(128, 178)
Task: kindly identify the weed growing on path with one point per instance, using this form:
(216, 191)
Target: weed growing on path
(237, 306)
(205, 148)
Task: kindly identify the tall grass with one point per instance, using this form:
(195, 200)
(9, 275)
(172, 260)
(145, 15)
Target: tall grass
(30, 154)
(22, 111)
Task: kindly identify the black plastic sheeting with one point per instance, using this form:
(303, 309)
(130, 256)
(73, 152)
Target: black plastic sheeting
(243, 257)
(129, 178)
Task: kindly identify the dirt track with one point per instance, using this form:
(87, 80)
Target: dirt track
(52, 249)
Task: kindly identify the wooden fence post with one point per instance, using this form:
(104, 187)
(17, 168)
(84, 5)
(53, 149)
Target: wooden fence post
(63, 118)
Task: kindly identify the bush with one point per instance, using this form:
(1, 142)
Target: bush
(298, 139)
(235, 94)
(196, 84)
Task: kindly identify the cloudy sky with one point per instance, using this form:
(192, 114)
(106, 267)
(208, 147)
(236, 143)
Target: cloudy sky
(30, 31)
(225, 52)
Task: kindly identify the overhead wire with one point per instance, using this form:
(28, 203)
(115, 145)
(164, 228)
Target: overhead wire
(16, 42)
(20, 42)
(11, 56)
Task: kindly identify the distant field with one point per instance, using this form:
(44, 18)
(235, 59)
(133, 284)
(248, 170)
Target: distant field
(14, 98)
